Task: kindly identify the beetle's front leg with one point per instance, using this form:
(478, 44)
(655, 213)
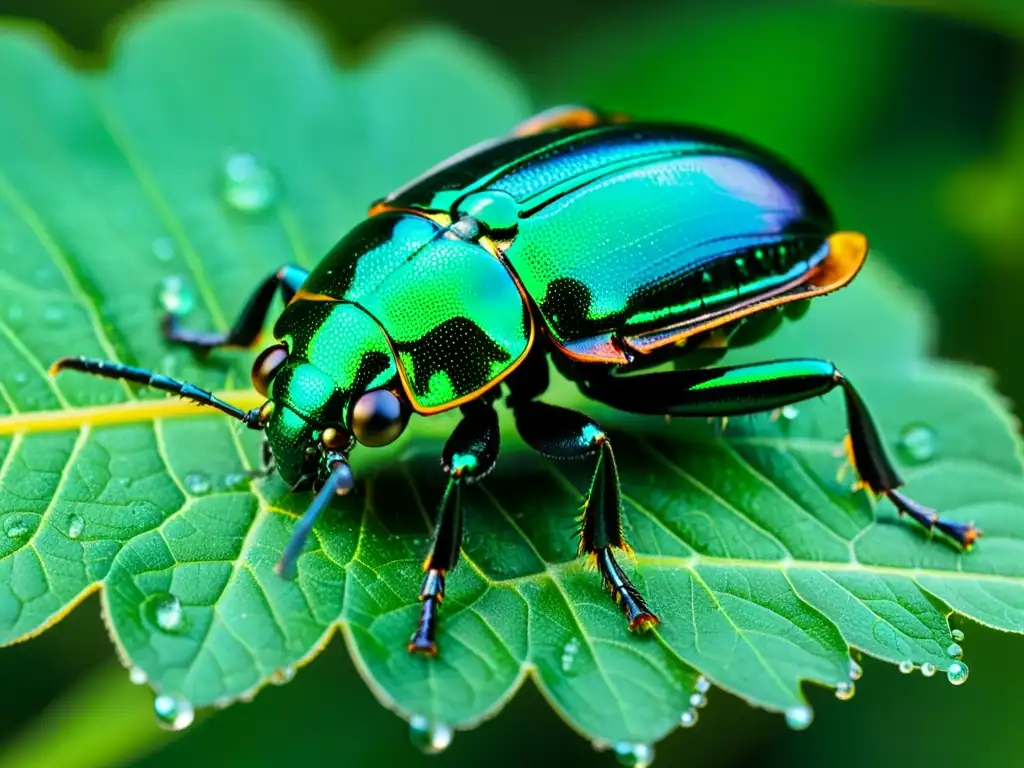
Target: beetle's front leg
(559, 433)
(247, 328)
(757, 387)
(469, 455)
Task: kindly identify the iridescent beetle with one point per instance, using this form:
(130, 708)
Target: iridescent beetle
(607, 245)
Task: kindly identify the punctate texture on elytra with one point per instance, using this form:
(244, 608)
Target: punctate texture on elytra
(762, 564)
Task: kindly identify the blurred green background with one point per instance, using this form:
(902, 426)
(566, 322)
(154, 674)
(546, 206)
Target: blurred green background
(910, 115)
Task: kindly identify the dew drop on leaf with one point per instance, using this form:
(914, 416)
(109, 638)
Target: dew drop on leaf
(789, 412)
(957, 673)
(166, 612)
(906, 666)
(54, 315)
(957, 635)
(20, 377)
(845, 690)
(137, 677)
(173, 713)
(703, 685)
(569, 652)
(928, 670)
(282, 676)
(634, 754)
(197, 484)
(954, 651)
(163, 248)
(14, 316)
(917, 444)
(856, 671)
(799, 718)
(236, 481)
(16, 526)
(175, 296)
(246, 184)
(698, 700)
(428, 737)
(76, 524)
(689, 718)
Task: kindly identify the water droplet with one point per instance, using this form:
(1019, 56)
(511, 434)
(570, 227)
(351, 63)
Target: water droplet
(165, 611)
(689, 718)
(569, 654)
(790, 412)
(54, 315)
(799, 718)
(845, 690)
(197, 483)
(928, 670)
(175, 296)
(236, 481)
(75, 525)
(698, 700)
(246, 185)
(14, 316)
(429, 738)
(137, 676)
(634, 754)
(906, 666)
(16, 526)
(954, 651)
(957, 635)
(282, 676)
(20, 377)
(173, 713)
(163, 248)
(957, 673)
(917, 443)
(703, 685)
(856, 671)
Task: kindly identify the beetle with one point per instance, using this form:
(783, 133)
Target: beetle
(606, 246)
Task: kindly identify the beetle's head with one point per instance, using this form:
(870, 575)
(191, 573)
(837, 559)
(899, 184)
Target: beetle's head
(331, 384)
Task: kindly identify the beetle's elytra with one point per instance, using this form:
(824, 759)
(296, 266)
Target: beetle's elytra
(606, 245)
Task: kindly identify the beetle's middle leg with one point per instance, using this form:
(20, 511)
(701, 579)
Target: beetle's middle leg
(470, 453)
(559, 433)
(745, 389)
(247, 328)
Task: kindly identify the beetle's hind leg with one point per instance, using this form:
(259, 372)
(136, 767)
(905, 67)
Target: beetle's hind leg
(563, 434)
(247, 328)
(470, 453)
(763, 387)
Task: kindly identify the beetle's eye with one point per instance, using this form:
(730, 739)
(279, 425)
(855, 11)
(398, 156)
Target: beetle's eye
(378, 418)
(267, 364)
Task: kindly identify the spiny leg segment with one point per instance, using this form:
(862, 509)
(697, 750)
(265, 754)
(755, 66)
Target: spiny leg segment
(757, 387)
(470, 453)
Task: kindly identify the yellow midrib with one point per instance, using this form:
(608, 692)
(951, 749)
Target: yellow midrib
(120, 413)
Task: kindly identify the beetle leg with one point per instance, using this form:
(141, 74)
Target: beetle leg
(563, 434)
(563, 116)
(762, 387)
(247, 328)
(470, 453)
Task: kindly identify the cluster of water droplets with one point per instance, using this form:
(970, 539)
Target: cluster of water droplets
(17, 526)
(173, 712)
(957, 672)
(634, 754)
(569, 651)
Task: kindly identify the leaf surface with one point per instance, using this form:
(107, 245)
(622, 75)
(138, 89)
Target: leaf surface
(764, 567)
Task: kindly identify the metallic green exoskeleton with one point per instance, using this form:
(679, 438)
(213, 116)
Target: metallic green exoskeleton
(604, 245)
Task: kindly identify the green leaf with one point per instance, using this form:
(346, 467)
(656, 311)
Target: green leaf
(764, 567)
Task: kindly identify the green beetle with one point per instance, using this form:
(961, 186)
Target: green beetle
(604, 245)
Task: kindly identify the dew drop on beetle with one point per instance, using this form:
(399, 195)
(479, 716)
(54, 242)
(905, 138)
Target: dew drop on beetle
(799, 718)
(173, 713)
(428, 737)
(957, 635)
(928, 670)
(906, 666)
(634, 754)
(957, 673)
(845, 690)
(689, 718)
(76, 524)
(197, 484)
(954, 651)
(137, 677)
(175, 296)
(917, 444)
(247, 185)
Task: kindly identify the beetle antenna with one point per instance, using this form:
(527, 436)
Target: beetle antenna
(339, 482)
(198, 396)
